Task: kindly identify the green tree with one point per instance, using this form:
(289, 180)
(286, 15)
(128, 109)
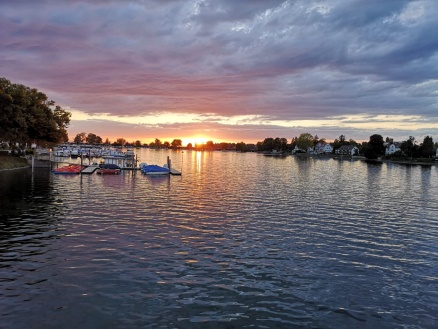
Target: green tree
(26, 115)
(137, 143)
(158, 143)
(305, 141)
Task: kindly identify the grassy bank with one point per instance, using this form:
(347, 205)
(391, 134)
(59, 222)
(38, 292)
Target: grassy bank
(11, 162)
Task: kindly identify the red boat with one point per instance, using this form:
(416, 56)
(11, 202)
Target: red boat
(106, 171)
(68, 170)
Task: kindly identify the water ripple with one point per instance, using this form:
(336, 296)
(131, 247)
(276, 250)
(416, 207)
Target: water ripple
(239, 240)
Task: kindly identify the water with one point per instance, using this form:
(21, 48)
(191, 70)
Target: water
(237, 241)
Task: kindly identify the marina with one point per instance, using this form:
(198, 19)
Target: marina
(92, 158)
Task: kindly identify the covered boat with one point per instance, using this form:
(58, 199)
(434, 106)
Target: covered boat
(154, 169)
(68, 170)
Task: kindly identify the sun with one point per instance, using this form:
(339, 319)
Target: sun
(197, 140)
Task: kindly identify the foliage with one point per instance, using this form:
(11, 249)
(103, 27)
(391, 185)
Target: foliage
(426, 149)
(409, 147)
(11, 162)
(26, 115)
(369, 153)
(93, 139)
(120, 142)
(176, 143)
(375, 147)
(80, 138)
(241, 147)
(270, 144)
(304, 141)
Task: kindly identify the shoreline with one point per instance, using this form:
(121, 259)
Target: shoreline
(16, 165)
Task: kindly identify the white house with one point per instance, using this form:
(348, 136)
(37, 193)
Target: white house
(392, 148)
(323, 148)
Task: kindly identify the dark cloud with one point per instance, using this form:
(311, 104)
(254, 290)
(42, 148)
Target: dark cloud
(285, 60)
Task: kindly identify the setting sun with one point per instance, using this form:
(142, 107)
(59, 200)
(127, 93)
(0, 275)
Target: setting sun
(196, 140)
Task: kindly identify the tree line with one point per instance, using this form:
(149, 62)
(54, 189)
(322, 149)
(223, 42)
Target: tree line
(373, 149)
(94, 139)
(28, 116)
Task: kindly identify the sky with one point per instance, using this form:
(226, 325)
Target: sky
(229, 70)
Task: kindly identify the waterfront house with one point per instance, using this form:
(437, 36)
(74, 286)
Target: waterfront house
(392, 148)
(347, 150)
(323, 148)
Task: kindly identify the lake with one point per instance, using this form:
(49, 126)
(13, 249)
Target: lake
(240, 240)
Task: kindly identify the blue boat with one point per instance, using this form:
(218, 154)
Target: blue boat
(154, 169)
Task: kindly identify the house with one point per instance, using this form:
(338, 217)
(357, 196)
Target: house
(392, 148)
(347, 150)
(323, 148)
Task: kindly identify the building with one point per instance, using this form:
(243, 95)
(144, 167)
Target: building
(392, 148)
(347, 150)
(323, 148)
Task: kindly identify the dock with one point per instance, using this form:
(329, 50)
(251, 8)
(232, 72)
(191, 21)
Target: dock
(89, 170)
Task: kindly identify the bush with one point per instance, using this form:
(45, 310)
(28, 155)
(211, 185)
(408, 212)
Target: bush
(370, 154)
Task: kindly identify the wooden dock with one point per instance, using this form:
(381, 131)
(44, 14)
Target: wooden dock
(89, 170)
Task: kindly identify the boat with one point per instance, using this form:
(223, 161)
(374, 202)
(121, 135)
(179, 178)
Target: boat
(108, 171)
(68, 170)
(154, 169)
(109, 166)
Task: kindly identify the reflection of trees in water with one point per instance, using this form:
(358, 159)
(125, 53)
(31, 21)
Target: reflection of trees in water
(29, 209)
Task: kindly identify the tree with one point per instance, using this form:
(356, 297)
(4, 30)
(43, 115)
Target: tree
(93, 139)
(241, 147)
(166, 144)
(158, 143)
(137, 143)
(375, 147)
(176, 143)
(209, 145)
(80, 138)
(189, 146)
(121, 141)
(305, 141)
(407, 146)
(426, 149)
(26, 115)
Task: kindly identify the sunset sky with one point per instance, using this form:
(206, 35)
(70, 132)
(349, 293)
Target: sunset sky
(229, 70)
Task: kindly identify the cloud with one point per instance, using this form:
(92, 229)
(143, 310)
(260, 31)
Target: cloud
(281, 60)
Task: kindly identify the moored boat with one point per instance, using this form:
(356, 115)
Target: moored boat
(68, 170)
(154, 169)
(108, 171)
